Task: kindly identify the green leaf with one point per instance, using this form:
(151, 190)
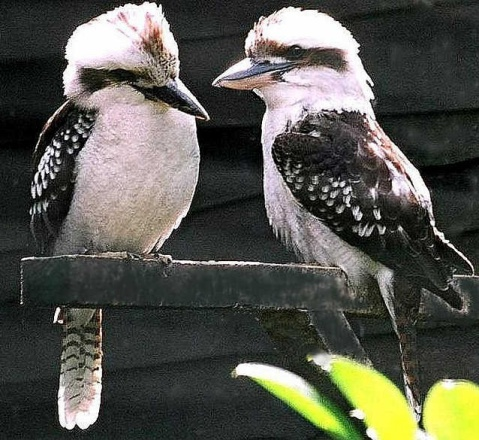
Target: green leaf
(377, 400)
(451, 410)
(302, 397)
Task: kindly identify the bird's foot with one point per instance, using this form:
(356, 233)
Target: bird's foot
(133, 256)
(166, 260)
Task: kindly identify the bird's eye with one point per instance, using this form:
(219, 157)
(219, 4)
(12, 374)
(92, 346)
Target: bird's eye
(296, 51)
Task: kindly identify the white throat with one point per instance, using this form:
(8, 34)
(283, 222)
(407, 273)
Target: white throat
(334, 91)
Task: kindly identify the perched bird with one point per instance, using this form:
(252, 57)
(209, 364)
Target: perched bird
(115, 168)
(337, 190)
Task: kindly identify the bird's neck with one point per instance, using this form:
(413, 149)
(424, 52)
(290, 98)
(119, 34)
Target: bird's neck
(286, 105)
(309, 91)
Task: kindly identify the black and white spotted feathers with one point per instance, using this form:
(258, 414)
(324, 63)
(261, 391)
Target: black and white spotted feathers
(62, 138)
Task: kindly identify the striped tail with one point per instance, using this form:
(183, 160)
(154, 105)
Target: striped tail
(407, 298)
(406, 332)
(402, 299)
(80, 373)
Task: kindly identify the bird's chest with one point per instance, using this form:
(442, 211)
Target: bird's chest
(143, 153)
(135, 179)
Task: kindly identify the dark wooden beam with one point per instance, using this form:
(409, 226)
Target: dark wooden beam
(119, 281)
(128, 282)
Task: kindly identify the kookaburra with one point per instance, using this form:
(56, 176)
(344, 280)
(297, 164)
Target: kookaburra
(115, 168)
(337, 190)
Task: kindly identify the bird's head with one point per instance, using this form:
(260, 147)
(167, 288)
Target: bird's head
(130, 48)
(303, 57)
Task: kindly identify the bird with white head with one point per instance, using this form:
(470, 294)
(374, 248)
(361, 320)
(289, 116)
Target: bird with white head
(115, 169)
(129, 47)
(302, 57)
(337, 190)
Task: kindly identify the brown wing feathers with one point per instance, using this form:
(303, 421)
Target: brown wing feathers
(344, 170)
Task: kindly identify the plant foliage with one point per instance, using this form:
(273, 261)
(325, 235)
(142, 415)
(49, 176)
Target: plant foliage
(450, 408)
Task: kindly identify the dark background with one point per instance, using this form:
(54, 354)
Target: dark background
(167, 372)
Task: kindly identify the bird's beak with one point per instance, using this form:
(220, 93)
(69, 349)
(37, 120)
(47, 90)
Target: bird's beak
(250, 74)
(177, 95)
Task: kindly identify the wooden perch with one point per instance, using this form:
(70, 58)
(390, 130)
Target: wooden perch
(118, 281)
(301, 307)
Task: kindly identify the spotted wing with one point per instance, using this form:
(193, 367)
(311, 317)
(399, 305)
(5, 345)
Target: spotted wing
(345, 171)
(62, 138)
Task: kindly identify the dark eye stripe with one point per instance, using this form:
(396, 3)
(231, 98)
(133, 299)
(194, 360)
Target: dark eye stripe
(332, 58)
(122, 75)
(96, 79)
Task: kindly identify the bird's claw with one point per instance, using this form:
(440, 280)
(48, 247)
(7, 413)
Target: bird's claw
(133, 256)
(166, 260)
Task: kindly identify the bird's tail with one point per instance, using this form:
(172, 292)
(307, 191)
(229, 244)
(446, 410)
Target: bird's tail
(402, 299)
(404, 314)
(80, 373)
(407, 336)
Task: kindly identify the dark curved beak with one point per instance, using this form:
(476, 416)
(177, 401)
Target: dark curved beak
(251, 74)
(176, 95)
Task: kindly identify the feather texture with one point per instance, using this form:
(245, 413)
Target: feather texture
(81, 371)
(52, 186)
(344, 170)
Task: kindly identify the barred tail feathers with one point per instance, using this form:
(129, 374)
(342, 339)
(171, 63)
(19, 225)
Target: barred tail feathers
(80, 373)
(402, 299)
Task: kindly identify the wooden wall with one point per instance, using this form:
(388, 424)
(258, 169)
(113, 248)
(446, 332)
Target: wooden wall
(424, 59)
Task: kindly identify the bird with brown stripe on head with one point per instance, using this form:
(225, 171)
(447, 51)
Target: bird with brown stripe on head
(115, 169)
(337, 190)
